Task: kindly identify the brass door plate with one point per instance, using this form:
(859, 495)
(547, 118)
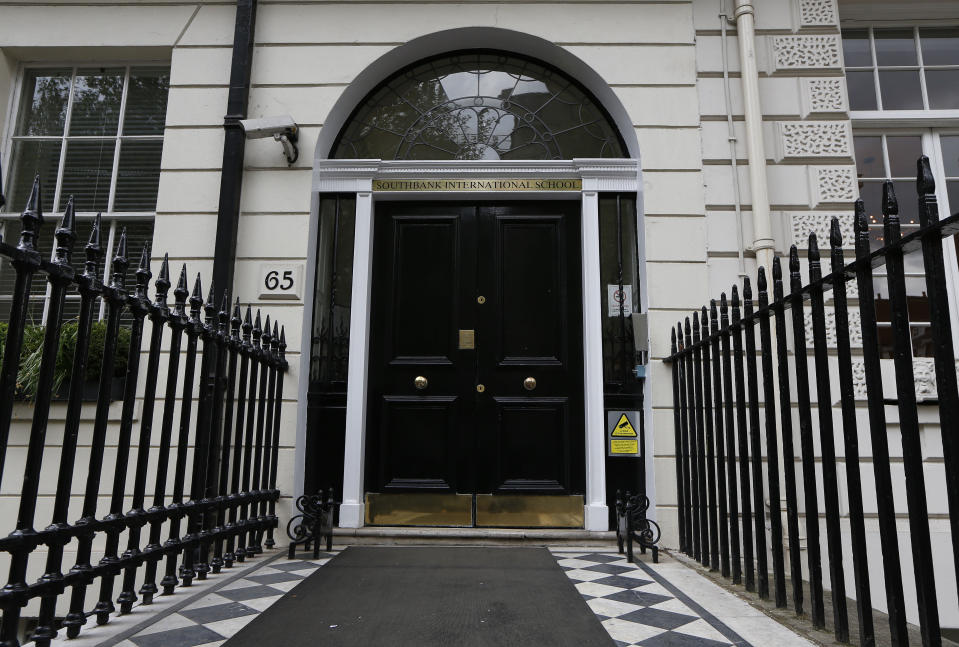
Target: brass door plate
(467, 339)
(529, 511)
(419, 509)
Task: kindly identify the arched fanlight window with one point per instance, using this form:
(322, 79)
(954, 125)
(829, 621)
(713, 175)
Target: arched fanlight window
(479, 105)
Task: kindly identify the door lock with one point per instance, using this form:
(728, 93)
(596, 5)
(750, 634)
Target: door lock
(480, 388)
(481, 299)
(420, 382)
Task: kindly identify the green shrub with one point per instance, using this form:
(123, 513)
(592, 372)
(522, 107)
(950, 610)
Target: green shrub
(31, 354)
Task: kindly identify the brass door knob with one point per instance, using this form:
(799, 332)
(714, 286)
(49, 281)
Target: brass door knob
(421, 382)
(529, 383)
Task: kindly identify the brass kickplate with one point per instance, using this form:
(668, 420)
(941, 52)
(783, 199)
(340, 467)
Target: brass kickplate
(419, 509)
(467, 339)
(529, 511)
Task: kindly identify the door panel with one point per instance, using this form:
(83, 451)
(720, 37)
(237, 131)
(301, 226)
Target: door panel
(426, 273)
(535, 310)
(532, 437)
(509, 273)
(418, 436)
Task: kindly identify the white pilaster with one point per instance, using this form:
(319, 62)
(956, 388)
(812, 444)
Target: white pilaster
(597, 512)
(352, 508)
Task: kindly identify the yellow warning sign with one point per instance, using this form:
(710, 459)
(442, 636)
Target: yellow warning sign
(624, 428)
(623, 446)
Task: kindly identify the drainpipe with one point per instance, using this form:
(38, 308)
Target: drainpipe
(234, 144)
(763, 242)
(724, 20)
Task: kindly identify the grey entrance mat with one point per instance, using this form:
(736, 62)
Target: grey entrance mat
(427, 596)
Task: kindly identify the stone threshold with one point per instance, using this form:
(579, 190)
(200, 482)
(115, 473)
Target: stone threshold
(394, 535)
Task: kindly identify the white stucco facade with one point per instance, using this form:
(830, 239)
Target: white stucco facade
(656, 66)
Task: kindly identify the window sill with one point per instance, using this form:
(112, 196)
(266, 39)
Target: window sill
(898, 118)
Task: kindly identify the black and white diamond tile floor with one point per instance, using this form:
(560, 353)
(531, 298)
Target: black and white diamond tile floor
(640, 605)
(660, 605)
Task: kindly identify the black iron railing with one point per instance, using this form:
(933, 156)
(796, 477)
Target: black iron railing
(717, 401)
(232, 436)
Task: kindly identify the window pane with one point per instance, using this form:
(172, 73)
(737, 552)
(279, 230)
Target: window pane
(869, 156)
(96, 102)
(28, 159)
(943, 89)
(918, 308)
(138, 176)
(871, 194)
(895, 47)
(884, 333)
(87, 173)
(908, 202)
(43, 108)
(900, 90)
(146, 101)
(862, 90)
(939, 46)
(855, 48)
(952, 187)
(950, 156)
(903, 153)
(922, 345)
(139, 233)
(38, 287)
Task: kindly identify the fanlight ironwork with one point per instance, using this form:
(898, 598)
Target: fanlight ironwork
(479, 105)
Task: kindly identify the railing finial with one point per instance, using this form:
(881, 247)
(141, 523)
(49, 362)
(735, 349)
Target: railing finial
(282, 343)
(196, 300)
(835, 233)
(747, 289)
(31, 218)
(890, 212)
(162, 283)
(861, 229)
(236, 321)
(247, 325)
(143, 273)
(180, 294)
(734, 297)
(761, 280)
(65, 234)
(120, 262)
(925, 181)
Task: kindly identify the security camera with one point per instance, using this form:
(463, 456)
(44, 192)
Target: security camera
(283, 129)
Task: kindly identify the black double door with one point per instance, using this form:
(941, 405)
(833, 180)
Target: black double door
(476, 371)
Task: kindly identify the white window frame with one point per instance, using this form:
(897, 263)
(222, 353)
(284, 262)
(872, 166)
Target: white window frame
(112, 220)
(929, 138)
(879, 117)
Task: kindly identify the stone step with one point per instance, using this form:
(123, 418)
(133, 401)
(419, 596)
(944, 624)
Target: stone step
(391, 535)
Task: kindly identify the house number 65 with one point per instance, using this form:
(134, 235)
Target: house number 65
(281, 281)
(273, 280)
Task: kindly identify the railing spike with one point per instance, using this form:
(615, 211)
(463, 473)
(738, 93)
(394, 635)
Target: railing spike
(120, 262)
(925, 181)
(861, 228)
(761, 284)
(143, 273)
(65, 234)
(735, 296)
(793, 259)
(835, 233)
(32, 218)
(777, 269)
(282, 342)
(813, 252)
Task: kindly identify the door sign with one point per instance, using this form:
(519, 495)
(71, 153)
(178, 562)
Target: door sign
(617, 298)
(280, 281)
(622, 439)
